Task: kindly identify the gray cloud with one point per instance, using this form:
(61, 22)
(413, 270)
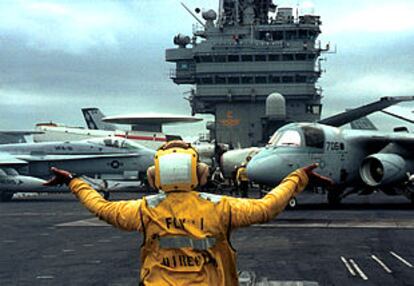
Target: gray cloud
(60, 56)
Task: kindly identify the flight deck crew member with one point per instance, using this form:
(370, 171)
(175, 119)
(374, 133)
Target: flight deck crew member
(186, 234)
(243, 180)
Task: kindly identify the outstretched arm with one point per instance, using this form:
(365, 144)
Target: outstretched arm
(245, 212)
(124, 215)
(249, 211)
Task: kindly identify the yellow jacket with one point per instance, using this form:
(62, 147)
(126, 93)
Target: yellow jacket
(187, 217)
(242, 175)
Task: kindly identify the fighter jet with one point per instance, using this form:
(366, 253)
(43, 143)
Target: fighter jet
(357, 160)
(146, 130)
(103, 158)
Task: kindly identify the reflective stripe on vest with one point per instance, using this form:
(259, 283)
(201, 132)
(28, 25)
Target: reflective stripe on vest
(183, 241)
(215, 199)
(155, 200)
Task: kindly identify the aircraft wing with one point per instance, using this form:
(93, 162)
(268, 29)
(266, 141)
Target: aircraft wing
(7, 160)
(10, 161)
(354, 114)
(378, 139)
(399, 113)
(89, 165)
(52, 158)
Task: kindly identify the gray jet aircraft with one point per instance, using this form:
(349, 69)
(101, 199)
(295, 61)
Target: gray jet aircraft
(357, 160)
(23, 165)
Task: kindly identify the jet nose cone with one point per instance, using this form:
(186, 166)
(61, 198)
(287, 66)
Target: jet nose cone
(265, 170)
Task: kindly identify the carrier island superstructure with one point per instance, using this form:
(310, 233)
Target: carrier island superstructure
(254, 66)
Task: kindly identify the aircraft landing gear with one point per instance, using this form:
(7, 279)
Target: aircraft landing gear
(6, 196)
(412, 199)
(293, 203)
(334, 197)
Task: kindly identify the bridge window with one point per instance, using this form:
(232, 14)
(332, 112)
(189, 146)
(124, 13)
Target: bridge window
(261, 79)
(290, 35)
(182, 66)
(288, 57)
(220, 59)
(287, 79)
(233, 80)
(206, 59)
(220, 80)
(260, 58)
(274, 79)
(233, 58)
(247, 80)
(278, 36)
(300, 78)
(312, 34)
(206, 80)
(314, 109)
(274, 58)
(314, 137)
(247, 58)
(303, 34)
(301, 57)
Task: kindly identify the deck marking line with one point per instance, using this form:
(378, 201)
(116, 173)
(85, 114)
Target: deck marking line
(9, 241)
(348, 266)
(91, 222)
(382, 264)
(45, 277)
(360, 272)
(401, 259)
(343, 224)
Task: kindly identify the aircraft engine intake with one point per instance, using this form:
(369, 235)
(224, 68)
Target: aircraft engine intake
(383, 169)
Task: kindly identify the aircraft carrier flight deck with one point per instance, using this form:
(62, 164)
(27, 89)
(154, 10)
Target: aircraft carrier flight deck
(53, 240)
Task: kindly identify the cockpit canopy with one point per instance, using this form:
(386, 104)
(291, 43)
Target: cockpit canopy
(120, 143)
(298, 136)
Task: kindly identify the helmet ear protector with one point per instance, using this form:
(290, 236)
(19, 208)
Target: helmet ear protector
(177, 168)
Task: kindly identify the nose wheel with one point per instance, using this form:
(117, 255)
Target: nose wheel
(334, 197)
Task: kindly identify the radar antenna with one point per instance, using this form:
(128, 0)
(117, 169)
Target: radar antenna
(192, 14)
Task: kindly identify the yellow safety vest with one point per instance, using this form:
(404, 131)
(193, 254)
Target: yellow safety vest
(242, 175)
(186, 233)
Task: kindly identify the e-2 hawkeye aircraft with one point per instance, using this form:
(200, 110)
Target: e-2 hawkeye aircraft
(359, 161)
(24, 165)
(146, 129)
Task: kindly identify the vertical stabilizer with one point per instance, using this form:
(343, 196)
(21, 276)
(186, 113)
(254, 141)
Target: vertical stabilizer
(93, 118)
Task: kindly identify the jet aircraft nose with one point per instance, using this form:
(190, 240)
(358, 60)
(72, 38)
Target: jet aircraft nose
(266, 169)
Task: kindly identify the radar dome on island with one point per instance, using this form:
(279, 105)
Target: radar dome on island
(276, 106)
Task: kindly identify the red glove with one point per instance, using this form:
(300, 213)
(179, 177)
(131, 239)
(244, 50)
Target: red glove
(315, 178)
(61, 177)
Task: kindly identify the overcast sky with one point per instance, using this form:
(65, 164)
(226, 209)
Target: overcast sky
(59, 56)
